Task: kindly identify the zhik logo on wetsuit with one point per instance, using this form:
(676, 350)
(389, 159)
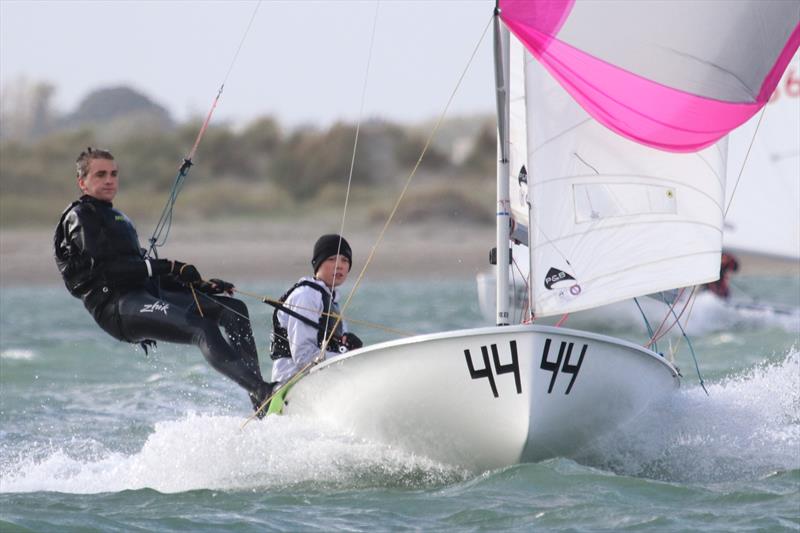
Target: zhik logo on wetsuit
(555, 275)
(158, 305)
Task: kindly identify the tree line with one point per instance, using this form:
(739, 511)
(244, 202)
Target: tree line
(256, 170)
(269, 168)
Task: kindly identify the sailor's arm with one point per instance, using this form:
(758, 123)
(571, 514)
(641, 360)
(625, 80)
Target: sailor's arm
(75, 266)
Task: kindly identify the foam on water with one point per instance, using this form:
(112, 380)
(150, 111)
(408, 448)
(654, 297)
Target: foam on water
(710, 314)
(748, 427)
(17, 354)
(212, 452)
(706, 314)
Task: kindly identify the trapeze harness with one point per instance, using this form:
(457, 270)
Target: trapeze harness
(279, 345)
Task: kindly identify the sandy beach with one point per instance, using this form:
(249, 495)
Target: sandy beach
(279, 250)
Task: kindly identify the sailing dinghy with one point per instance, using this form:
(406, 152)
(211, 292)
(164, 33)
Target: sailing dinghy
(611, 126)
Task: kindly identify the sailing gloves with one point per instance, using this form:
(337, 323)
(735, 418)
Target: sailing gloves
(183, 271)
(216, 286)
(351, 341)
(187, 274)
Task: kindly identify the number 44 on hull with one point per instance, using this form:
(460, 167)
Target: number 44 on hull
(486, 398)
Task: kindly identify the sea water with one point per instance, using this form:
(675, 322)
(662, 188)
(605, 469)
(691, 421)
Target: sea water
(96, 435)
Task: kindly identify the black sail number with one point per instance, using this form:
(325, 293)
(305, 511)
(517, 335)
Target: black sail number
(499, 368)
(562, 363)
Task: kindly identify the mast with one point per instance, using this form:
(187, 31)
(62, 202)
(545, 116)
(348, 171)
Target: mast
(501, 72)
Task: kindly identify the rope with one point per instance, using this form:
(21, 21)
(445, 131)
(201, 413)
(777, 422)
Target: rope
(659, 333)
(268, 300)
(688, 340)
(646, 323)
(690, 304)
(357, 283)
(353, 162)
(196, 301)
(414, 170)
(165, 220)
(746, 157)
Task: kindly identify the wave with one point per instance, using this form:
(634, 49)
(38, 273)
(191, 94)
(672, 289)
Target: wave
(18, 354)
(747, 427)
(213, 452)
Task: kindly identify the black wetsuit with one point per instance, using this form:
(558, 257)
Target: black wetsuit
(98, 254)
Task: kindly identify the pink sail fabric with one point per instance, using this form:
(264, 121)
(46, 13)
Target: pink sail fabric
(677, 76)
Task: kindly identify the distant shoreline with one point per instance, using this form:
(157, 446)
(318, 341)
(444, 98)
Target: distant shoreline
(280, 251)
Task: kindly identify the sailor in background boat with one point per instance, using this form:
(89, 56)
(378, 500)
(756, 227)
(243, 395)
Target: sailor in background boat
(721, 287)
(136, 299)
(309, 311)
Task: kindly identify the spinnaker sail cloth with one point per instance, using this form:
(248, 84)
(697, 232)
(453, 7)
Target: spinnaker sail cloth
(618, 116)
(676, 76)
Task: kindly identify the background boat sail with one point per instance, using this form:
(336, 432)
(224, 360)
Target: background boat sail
(620, 144)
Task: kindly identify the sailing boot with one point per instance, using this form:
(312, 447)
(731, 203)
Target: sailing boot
(264, 392)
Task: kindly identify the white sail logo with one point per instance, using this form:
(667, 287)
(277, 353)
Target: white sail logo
(158, 305)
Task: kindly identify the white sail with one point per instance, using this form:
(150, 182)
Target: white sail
(613, 219)
(764, 213)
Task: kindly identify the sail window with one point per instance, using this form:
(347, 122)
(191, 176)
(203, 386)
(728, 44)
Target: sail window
(597, 201)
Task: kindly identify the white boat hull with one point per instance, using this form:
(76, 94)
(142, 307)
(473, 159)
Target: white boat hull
(486, 398)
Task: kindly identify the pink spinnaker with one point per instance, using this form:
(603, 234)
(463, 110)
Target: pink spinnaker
(643, 110)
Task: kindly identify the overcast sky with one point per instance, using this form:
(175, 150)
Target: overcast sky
(302, 61)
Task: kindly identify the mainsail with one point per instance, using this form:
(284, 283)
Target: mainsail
(619, 112)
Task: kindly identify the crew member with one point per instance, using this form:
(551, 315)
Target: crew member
(138, 300)
(721, 287)
(309, 314)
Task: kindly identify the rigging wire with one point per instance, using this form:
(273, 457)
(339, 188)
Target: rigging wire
(161, 231)
(297, 375)
(689, 341)
(746, 157)
(326, 341)
(353, 160)
(413, 172)
(646, 322)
